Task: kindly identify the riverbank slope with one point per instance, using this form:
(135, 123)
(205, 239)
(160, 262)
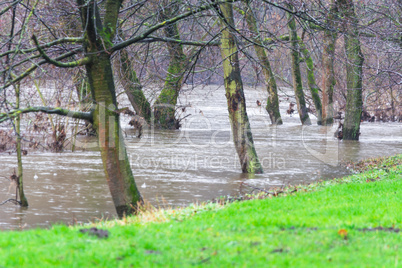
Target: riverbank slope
(354, 221)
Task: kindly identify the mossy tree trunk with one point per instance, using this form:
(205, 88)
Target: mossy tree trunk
(132, 87)
(296, 74)
(98, 36)
(239, 122)
(328, 77)
(314, 89)
(165, 105)
(354, 72)
(272, 101)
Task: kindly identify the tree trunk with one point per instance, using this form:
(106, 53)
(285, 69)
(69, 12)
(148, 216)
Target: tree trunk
(133, 88)
(239, 122)
(311, 81)
(272, 101)
(20, 183)
(117, 168)
(296, 75)
(354, 73)
(111, 143)
(314, 89)
(165, 105)
(328, 78)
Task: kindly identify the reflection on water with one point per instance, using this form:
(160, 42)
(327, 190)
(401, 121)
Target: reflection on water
(195, 163)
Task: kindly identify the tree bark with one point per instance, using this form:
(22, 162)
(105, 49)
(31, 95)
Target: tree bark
(328, 78)
(354, 73)
(20, 182)
(314, 89)
(117, 168)
(296, 74)
(272, 101)
(311, 81)
(242, 137)
(133, 88)
(165, 105)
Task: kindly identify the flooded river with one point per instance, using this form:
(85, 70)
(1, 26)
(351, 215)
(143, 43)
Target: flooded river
(196, 163)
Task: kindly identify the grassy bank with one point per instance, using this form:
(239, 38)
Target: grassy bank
(351, 222)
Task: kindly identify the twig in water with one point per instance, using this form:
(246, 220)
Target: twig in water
(15, 201)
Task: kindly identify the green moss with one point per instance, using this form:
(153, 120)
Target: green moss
(239, 121)
(165, 109)
(106, 122)
(133, 88)
(296, 74)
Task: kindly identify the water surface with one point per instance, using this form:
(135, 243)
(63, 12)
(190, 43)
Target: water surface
(196, 163)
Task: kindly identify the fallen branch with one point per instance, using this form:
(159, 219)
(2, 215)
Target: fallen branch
(48, 110)
(15, 201)
(180, 119)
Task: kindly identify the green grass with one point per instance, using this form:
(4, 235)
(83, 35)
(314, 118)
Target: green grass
(317, 226)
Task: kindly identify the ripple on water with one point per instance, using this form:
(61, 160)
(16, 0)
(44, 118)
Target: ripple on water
(196, 163)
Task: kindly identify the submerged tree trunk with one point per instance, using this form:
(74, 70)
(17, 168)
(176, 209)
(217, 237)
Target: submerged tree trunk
(111, 142)
(311, 81)
(314, 89)
(242, 137)
(19, 177)
(133, 88)
(165, 105)
(20, 183)
(272, 101)
(328, 78)
(296, 75)
(354, 73)
(117, 168)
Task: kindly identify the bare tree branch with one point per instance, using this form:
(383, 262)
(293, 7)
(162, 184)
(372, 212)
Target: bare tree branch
(72, 64)
(47, 110)
(10, 6)
(55, 42)
(36, 65)
(152, 39)
(164, 23)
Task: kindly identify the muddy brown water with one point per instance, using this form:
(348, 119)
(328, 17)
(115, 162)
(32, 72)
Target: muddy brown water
(194, 164)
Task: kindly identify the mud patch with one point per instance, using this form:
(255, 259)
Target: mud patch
(383, 229)
(96, 232)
